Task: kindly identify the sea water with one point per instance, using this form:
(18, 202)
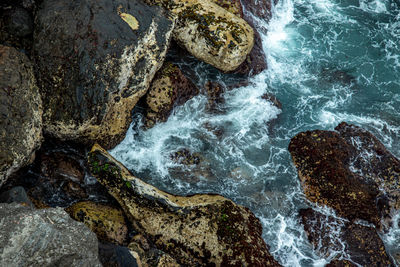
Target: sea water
(328, 61)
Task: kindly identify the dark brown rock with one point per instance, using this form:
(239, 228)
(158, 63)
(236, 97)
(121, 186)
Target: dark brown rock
(272, 99)
(340, 263)
(94, 60)
(20, 112)
(214, 92)
(170, 88)
(344, 170)
(361, 243)
(259, 8)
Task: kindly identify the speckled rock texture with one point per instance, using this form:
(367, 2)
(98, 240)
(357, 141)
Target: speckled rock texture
(255, 61)
(169, 88)
(355, 242)
(207, 230)
(20, 111)
(349, 170)
(106, 221)
(210, 33)
(94, 60)
(47, 237)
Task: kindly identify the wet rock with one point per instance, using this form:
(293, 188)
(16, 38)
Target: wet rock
(106, 221)
(340, 263)
(210, 33)
(217, 130)
(361, 243)
(47, 237)
(337, 76)
(169, 88)
(200, 229)
(255, 61)
(116, 256)
(271, 98)
(259, 8)
(344, 169)
(94, 60)
(16, 195)
(214, 92)
(184, 156)
(20, 111)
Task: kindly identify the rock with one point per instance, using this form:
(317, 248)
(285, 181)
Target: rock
(20, 111)
(116, 256)
(167, 261)
(107, 222)
(16, 195)
(214, 92)
(184, 156)
(361, 243)
(340, 263)
(210, 33)
(259, 8)
(94, 60)
(345, 170)
(255, 61)
(196, 230)
(169, 88)
(47, 237)
(275, 101)
(18, 22)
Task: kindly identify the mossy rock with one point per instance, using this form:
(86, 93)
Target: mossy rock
(195, 230)
(107, 222)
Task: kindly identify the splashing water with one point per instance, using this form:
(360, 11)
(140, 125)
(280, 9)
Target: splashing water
(328, 61)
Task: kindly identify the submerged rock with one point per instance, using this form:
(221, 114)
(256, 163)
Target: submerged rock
(20, 111)
(47, 237)
(94, 60)
(210, 33)
(168, 89)
(106, 221)
(329, 235)
(200, 229)
(345, 169)
(215, 97)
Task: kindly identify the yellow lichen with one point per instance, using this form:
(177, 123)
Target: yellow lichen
(131, 20)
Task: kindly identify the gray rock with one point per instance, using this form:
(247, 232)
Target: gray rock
(46, 237)
(17, 195)
(94, 60)
(20, 112)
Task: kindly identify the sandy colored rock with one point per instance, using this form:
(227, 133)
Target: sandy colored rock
(107, 222)
(210, 33)
(20, 112)
(94, 60)
(196, 230)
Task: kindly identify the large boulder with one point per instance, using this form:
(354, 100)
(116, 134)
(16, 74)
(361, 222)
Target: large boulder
(47, 237)
(334, 237)
(20, 111)
(210, 33)
(94, 60)
(196, 230)
(169, 88)
(349, 170)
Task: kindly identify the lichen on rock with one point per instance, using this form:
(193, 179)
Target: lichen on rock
(196, 230)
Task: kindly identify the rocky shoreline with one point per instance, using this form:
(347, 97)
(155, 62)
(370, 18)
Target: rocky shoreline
(72, 73)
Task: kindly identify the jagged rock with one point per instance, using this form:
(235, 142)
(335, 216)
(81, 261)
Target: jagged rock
(47, 237)
(20, 111)
(345, 169)
(259, 8)
(94, 60)
(184, 156)
(200, 229)
(106, 221)
(275, 101)
(361, 243)
(16, 195)
(214, 92)
(169, 88)
(116, 256)
(210, 33)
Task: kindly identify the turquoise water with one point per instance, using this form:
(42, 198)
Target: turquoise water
(329, 61)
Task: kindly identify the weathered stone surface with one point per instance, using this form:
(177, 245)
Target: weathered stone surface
(16, 195)
(210, 33)
(168, 89)
(20, 111)
(47, 237)
(345, 169)
(116, 256)
(94, 60)
(106, 221)
(361, 243)
(200, 229)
